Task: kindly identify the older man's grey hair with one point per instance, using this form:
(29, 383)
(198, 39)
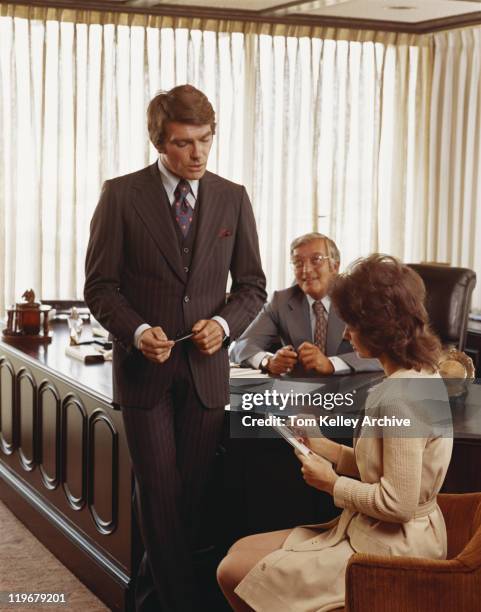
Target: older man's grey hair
(332, 249)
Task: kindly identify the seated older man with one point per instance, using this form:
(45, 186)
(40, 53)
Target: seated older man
(300, 321)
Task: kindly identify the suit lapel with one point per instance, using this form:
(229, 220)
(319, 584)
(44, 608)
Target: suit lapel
(335, 332)
(209, 219)
(298, 320)
(151, 204)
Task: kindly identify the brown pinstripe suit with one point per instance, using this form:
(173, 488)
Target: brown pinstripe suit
(134, 275)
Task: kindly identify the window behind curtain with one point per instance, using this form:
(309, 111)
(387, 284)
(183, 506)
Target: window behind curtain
(327, 134)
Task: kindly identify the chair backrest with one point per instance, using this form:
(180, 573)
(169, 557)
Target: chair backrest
(462, 515)
(448, 300)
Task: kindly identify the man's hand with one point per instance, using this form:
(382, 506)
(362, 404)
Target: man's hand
(317, 472)
(283, 361)
(208, 336)
(154, 345)
(312, 358)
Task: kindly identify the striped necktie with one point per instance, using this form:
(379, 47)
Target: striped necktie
(320, 329)
(183, 210)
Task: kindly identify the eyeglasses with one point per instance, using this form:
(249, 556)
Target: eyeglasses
(315, 261)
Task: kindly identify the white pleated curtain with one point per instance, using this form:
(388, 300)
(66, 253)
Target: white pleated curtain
(370, 137)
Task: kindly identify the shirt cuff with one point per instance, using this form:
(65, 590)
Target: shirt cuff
(223, 323)
(138, 332)
(340, 366)
(255, 360)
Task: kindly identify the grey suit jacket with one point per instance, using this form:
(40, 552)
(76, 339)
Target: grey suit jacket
(285, 320)
(134, 275)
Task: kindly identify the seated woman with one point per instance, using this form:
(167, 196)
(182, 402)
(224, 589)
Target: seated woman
(386, 485)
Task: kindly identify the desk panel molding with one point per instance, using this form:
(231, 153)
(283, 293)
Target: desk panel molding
(49, 438)
(27, 419)
(98, 421)
(71, 406)
(7, 406)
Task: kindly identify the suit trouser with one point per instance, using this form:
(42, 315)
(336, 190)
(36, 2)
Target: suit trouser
(172, 446)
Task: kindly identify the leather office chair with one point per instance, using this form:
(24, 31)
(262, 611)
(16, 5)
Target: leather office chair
(448, 301)
(408, 584)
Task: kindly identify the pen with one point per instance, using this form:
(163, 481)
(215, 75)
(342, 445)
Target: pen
(103, 343)
(184, 336)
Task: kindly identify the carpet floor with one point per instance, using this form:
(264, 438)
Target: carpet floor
(26, 566)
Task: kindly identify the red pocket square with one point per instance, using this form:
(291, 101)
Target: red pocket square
(224, 233)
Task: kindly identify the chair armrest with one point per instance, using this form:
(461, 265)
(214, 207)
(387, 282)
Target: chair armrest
(396, 584)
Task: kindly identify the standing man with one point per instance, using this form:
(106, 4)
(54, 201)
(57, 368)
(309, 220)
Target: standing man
(298, 331)
(163, 241)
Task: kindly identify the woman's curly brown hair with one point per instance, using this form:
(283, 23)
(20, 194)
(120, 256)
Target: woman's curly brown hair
(384, 300)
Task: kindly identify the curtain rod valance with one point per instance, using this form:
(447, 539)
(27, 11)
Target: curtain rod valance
(89, 17)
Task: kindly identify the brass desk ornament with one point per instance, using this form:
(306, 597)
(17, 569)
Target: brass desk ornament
(27, 321)
(457, 371)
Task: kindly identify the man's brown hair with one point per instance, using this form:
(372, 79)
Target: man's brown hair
(184, 104)
(384, 300)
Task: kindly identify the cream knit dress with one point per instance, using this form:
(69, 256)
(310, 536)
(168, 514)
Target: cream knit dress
(391, 510)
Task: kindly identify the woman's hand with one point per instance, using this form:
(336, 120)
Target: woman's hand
(312, 437)
(317, 472)
(323, 447)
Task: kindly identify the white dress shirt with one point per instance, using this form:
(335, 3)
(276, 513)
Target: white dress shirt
(170, 182)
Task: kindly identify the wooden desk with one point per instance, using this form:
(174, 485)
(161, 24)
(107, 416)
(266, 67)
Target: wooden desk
(64, 463)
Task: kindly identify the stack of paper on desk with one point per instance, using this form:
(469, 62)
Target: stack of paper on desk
(236, 372)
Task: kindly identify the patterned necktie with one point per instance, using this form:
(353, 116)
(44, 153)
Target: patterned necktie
(183, 210)
(320, 329)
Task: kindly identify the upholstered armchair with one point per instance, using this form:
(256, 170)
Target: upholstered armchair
(408, 584)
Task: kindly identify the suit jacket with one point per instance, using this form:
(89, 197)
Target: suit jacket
(392, 510)
(285, 320)
(134, 275)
